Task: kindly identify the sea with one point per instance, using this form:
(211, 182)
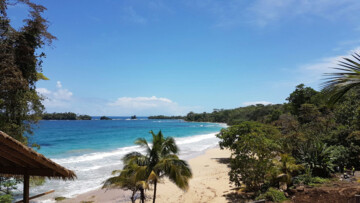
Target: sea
(94, 148)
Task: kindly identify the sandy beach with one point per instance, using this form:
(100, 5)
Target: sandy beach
(210, 183)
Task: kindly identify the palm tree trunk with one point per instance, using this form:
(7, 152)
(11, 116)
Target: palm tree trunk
(142, 195)
(133, 197)
(155, 183)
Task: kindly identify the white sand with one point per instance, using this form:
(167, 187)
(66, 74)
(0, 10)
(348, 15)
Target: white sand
(210, 183)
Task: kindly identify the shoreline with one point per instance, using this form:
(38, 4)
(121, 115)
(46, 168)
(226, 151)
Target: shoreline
(210, 183)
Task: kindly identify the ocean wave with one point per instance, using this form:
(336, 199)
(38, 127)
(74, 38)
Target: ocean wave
(93, 168)
(97, 155)
(192, 139)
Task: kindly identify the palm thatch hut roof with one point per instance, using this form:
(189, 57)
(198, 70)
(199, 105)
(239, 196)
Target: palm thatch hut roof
(18, 159)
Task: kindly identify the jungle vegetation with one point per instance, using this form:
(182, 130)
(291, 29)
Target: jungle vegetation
(20, 68)
(64, 116)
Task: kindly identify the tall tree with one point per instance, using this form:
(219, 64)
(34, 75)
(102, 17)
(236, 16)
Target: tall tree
(253, 146)
(339, 83)
(161, 160)
(301, 95)
(20, 69)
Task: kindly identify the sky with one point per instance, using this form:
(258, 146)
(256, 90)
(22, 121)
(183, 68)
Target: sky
(152, 57)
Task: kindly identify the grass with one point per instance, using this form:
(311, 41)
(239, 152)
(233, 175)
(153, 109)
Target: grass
(272, 194)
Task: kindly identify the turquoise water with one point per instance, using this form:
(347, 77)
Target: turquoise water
(94, 148)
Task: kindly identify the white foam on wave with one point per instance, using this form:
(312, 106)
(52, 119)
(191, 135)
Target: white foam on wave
(97, 155)
(196, 138)
(93, 168)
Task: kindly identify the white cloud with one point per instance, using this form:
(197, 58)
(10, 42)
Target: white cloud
(256, 102)
(314, 72)
(58, 84)
(141, 102)
(59, 98)
(147, 106)
(63, 100)
(43, 91)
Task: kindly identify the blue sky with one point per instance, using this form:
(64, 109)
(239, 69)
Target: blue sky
(174, 56)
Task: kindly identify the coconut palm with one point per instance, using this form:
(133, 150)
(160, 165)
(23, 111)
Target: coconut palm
(339, 83)
(130, 178)
(287, 167)
(161, 160)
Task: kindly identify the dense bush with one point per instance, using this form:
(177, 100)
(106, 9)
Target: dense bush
(306, 133)
(272, 194)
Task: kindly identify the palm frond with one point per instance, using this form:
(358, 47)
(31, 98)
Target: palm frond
(135, 157)
(143, 143)
(339, 83)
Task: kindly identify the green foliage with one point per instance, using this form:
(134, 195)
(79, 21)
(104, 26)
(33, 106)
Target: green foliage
(309, 135)
(132, 178)
(339, 83)
(286, 168)
(254, 146)
(58, 199)
(37, 181)
(105, 118)
(160, 160)
(259, 112)
(166, 117)
(308, 179)
(20, 69)
(272, 194)
(7, 198)
(59, 116)
(83, 117)
(301, 95)
(7, 185)
(64, 116)
(318, 157)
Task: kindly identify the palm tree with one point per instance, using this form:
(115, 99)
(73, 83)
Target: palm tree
(130, 178)
(161, 160)
(339, 83)
(287, 167)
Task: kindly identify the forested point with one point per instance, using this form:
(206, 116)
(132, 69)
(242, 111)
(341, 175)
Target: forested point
(65, 116)
(166, 117)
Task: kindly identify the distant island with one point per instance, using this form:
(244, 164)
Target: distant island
(133, 117)
(105, 118)
(65, 116)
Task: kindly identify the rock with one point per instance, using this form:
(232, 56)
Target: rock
(283, 186)
(300, 188)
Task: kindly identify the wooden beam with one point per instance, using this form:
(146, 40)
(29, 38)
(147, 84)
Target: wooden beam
(26, 188)
(36, 196)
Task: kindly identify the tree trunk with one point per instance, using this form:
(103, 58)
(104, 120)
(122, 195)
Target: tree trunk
(26, 188)
(155, 183)
(142, 195)
(133, 197)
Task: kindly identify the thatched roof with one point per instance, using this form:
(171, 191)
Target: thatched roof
(18, 159)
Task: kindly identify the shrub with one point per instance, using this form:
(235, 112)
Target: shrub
(272, 194)
(60, 198)
(7, 198)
